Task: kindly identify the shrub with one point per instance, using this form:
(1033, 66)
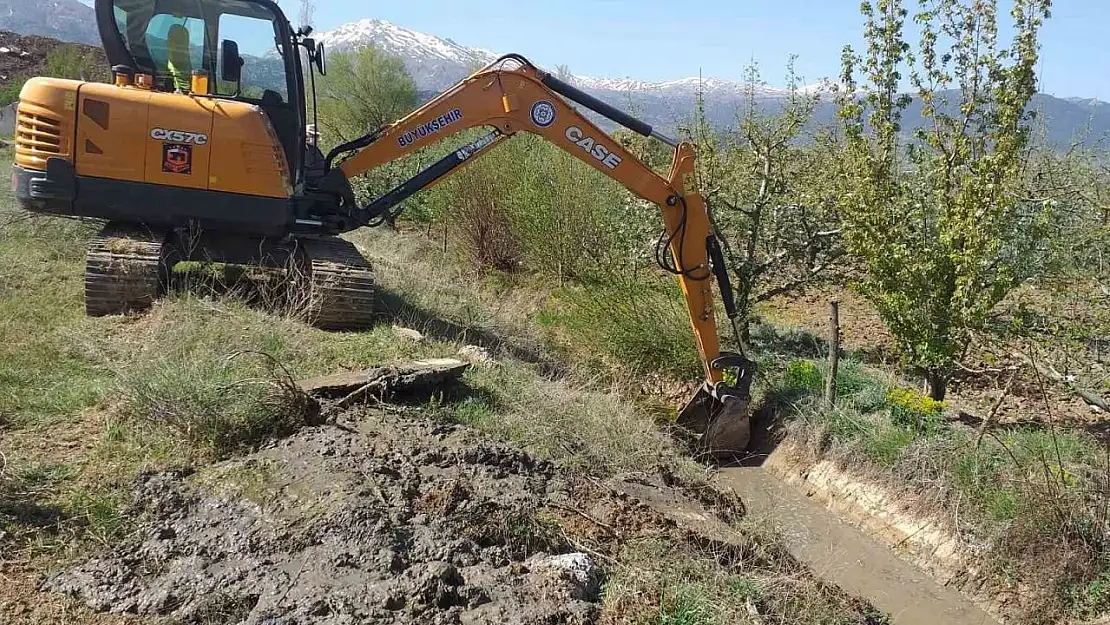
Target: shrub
(914, 411)
(1092, 600)
(861, 389)
(10, 92)
(76, 64)
(481, 220)
(804, 375)
(643, 326)
(364, 90)
(884, 444)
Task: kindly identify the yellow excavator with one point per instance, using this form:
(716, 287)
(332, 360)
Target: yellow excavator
(199, 150)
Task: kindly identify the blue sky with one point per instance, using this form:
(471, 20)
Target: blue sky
(665, 39)
(662, 39)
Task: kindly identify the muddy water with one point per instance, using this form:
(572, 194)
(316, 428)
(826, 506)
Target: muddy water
(843, 555)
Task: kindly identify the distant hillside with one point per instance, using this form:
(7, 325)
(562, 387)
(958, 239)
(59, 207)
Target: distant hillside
(23, 57)
(436, 63)
(67, 20)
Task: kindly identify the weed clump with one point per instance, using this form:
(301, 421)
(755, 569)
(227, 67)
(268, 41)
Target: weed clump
(803, 375)
(221, 405)
(643, 327)
(662, 584)
(915, 411)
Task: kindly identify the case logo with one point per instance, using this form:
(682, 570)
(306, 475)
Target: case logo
(543, 113)
(593, 147)
(179, 136)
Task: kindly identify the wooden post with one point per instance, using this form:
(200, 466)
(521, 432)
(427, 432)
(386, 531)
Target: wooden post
(834, 353)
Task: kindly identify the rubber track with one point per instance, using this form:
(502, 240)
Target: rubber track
(341, 283)
(123, 270)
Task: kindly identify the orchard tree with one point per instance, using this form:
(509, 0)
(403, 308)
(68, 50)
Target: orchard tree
(767, 183)
(363, 91)
(940, 220)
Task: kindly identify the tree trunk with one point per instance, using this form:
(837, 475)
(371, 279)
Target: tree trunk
(938, 384)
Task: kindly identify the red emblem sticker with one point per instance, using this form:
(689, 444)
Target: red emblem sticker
(177, 158)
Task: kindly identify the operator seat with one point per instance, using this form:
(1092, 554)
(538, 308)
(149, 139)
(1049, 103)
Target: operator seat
(286, 123)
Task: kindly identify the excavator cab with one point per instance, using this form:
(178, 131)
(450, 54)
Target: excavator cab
(234, 50)
(205, 122)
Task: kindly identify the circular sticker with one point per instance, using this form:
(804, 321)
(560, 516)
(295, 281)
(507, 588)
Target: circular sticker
(543, 113)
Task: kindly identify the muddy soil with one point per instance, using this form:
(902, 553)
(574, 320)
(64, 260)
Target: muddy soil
(379, 519)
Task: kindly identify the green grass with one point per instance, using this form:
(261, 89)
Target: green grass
(88, 404)
(588, 429)
(683, 605)
(1023, 492)
(44, 374)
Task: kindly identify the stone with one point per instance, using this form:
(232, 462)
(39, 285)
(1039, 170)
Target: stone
(477, 355)
(408, 334)
(577, 569)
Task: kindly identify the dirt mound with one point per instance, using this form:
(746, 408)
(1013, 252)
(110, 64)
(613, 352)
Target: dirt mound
(379, 519)
(24, 56)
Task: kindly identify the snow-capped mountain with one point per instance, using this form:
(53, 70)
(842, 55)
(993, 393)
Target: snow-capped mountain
(437, 63)
(433, 63)
(691, 86)
(402, 41)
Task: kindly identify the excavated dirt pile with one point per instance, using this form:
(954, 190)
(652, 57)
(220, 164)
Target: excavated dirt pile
(377, 519)
(26, 55)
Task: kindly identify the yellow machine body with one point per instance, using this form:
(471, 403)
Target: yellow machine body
(131, 134)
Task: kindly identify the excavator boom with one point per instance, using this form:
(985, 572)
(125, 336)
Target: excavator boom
(524, 98)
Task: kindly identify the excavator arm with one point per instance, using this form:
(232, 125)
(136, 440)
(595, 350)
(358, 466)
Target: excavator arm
(527, 99)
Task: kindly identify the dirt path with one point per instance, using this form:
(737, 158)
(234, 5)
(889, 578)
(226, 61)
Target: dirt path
(843, 555)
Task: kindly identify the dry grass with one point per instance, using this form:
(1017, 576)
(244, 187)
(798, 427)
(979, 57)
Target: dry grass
(757, 583)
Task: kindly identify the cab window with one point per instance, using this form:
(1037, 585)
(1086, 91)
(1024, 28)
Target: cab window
(263, 68)
(176, 46)
(173, 38)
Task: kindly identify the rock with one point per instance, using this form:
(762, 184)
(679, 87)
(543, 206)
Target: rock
(408, 334)
(577, 569)
(406, 377)
(477, 355)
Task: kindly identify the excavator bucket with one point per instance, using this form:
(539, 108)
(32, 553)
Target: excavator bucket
(722, 425)
(719, 415)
